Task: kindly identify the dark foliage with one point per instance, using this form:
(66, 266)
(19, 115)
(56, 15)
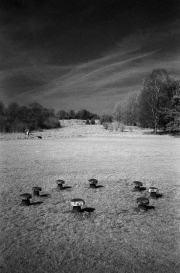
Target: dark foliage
(92, 121)
(17, 118)
(172, 115)
(72, 114)
(34, 116)
(105, 118)
(87, 122)
(83, 114)
(157, 105)
(62, 115)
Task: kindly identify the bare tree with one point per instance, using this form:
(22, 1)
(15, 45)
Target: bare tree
(130, 109)
(153, 98)
(118, 112)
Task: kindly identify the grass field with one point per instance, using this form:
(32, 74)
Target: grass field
(116, 237)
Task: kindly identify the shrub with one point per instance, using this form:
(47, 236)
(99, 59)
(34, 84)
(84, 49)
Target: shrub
(110, 127)
(105, 118)
(119, 126)
(130, 129)
(83, 114)
(62, 115)
(92, 121)
(116, 125)
(105, 125)
(50, 123)
(87, 122)
(122, 127)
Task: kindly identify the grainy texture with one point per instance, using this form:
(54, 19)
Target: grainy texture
(116, 237)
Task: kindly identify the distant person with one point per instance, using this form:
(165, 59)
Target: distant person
(27, 132)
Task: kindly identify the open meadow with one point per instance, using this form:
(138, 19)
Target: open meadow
(116, 237)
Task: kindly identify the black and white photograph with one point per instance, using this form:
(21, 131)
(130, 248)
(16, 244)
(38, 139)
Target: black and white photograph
(89, 136)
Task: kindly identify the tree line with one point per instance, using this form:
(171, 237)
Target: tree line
(34, 116)
(81, 114)
(156, 106)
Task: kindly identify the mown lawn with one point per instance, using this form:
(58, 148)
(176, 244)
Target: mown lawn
(116, 237)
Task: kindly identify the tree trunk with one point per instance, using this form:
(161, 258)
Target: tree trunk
(155, 127)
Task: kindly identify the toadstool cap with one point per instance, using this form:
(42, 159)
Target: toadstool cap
(60, 182)
(138, 183)
(93, 181)
(142, 201)
(37, 188)
(26, 195)
(153, 189)
(77, 202)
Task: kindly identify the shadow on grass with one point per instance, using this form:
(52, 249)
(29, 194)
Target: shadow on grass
(139, 189)
(144, 208)
(97, 187)
(88, 209)
(150, 207)
(36, 203)
(64, 188)
(158, 195)
(45, 195)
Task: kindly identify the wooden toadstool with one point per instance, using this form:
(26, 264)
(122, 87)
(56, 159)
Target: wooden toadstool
(25, 199)
(142, 202)
(153, 192)
(36, 191)
(60, 184)
(77, 204)
(138, 185)
(93, 182)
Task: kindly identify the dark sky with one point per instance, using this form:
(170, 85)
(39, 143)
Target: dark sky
(73, 54)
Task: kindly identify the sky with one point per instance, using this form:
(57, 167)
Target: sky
(84, 54)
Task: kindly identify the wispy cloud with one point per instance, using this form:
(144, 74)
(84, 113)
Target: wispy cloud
(100, 81)
(79, 81)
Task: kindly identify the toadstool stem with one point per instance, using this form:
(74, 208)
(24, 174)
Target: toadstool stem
(60, 186)
(142, 207)
(137, 188)
(25, 202)
(77, 208)
(153, 195)
(35, 192)
(92, 185)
